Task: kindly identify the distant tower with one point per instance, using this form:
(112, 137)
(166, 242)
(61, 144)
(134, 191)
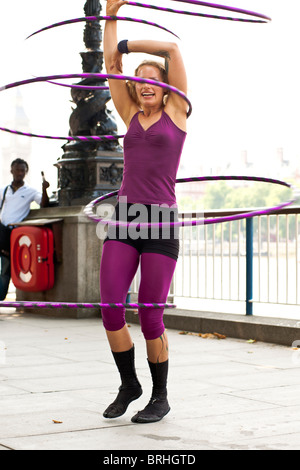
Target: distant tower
(245, 161)
(15, 146)
(280, 156)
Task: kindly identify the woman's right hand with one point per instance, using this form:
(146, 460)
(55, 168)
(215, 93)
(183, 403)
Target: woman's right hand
(112, 6)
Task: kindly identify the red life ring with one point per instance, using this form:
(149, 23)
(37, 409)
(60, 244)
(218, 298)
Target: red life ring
(32, 267)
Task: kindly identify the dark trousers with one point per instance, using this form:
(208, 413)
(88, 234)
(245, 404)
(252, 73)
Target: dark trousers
(4, 276)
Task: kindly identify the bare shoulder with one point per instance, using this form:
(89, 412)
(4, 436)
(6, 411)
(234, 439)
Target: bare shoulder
(177, 114)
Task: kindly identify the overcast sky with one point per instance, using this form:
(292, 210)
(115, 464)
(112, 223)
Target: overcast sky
(243, 78)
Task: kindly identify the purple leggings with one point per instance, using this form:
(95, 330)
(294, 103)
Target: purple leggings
(119, 264)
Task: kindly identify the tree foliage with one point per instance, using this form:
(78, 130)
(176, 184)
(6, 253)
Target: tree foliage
(224, 195)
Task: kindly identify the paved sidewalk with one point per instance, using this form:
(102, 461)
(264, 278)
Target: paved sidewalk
(57, 376)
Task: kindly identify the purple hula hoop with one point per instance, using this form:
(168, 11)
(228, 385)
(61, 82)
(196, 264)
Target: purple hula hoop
(98, 18)
(81, 87)
(99, 76)
(81, 138)
(224, 7)
(262, 18)
(88, 210)
(33, 304)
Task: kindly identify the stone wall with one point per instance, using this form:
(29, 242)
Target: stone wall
(77, 261)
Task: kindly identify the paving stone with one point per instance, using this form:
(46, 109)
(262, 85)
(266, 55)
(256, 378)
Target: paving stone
(224, 394)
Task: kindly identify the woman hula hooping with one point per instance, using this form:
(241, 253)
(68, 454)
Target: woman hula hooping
(156, 131)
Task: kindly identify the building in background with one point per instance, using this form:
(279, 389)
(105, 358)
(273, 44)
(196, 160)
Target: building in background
(15, 146)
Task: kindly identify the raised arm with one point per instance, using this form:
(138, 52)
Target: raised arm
(113, 63)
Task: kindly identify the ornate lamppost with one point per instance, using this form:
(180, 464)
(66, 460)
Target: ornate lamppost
(87, 170)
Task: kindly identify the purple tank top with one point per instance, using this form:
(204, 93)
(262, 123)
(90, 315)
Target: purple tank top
(151, 161)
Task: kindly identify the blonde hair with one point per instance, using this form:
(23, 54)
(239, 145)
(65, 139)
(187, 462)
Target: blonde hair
(164, 74)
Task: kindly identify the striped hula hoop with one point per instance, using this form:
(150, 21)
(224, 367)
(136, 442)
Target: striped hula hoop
(36, 304)
(89, 212)
(259, 18)
(98, 18)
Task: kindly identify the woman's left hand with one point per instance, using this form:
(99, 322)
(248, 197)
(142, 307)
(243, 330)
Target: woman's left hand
(112, 6)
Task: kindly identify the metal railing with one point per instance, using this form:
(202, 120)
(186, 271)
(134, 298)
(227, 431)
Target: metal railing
(252, 260)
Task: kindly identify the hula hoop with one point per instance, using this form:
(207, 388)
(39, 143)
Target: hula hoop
(99, 76)
(225, 7)
(88, 210)
(264, 19)
(29, 304)
(98, 18)
(82, 87)
(81, 138)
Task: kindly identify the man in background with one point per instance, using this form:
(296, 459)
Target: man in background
(15, 201)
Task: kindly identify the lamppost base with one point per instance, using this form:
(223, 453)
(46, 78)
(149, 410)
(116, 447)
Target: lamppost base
(83, 178)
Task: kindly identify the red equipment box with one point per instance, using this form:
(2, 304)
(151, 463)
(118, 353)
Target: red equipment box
(32, 267)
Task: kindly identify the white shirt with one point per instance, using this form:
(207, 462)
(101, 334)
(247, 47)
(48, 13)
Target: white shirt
(17, 204)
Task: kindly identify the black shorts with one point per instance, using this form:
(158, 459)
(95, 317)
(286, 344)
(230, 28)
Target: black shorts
(162, 240)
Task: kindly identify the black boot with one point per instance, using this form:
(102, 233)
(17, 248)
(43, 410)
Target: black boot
(158, 405)
(130, 388)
